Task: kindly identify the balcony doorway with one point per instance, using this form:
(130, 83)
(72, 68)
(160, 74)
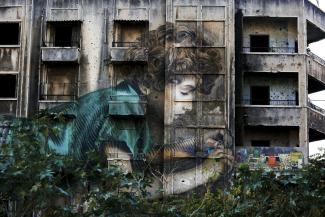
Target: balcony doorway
(260, 95)
(259, 43)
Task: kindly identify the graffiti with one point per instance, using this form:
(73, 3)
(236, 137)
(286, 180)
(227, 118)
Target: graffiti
(271, 158)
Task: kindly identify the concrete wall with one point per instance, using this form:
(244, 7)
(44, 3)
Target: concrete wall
(268, 62)
(270, 115)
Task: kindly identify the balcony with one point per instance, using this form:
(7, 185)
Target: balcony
(9, 58)
(61, 51)
(316, 117)
(127, 105)
(272, 62)
(58, 91)
(129, 51)
(290, 50)
(277, 113)
(8, 106)
(316, 69)
(270, 102)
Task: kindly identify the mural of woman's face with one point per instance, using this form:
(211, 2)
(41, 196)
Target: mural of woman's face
(193, 75)
(184, 91)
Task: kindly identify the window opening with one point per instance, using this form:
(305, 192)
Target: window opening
(260, 95)
(259, 43)
(8, 86)
(10, 34)
(261, 143)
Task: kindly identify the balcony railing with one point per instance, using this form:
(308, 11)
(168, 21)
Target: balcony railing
(315, 107)
(121, 105)
(269, 102)
(271, 49)
(315, 57)
(128, 44)
(58, 91)
(61, 44)
(128, 98)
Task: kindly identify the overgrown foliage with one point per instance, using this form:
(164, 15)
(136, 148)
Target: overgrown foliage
(34, 180)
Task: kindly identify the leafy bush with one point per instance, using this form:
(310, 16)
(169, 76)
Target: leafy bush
(32, 179)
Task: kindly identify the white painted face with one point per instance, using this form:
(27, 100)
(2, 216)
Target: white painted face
(185, 87)
(184, 90)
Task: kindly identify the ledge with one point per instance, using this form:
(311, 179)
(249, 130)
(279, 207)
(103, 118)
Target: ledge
(60, 54)
(270, 115)
(122, 54)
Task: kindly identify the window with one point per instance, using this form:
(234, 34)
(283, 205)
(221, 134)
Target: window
(10, 33)
(130, 34)
(260, 95)
(8, 86)
(259, 43)
(63, 36)
(261, 143)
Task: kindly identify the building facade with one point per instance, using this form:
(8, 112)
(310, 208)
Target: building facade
(190, 85)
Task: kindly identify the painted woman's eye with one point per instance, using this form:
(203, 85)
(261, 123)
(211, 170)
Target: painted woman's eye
(186, 89)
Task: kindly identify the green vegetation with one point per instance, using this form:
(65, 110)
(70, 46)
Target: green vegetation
(34, 180)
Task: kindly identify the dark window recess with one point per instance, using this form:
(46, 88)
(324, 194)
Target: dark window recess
(297, 97)
(260, 95)
(8, 86)
(259, 43)
(9, 33)
(63, 36)
(296, 46)
(261, 143)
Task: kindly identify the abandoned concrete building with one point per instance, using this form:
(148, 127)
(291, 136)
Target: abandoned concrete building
(203, 79)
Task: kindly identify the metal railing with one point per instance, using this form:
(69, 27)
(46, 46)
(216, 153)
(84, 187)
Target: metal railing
(128, 44)
(315, 107)
(58, 43)
(128, 98)
(58, 91)
(271, 49)
(315, 57)
(269, 102)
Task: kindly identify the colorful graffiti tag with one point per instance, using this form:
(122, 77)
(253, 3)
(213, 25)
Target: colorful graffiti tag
(271, 158)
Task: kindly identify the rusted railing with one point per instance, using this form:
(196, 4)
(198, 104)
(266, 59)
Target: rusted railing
(269, 102)
(128, 44)
(271, 49)
(315, 107)
(59, 43)
(315, 57)
(58, 91)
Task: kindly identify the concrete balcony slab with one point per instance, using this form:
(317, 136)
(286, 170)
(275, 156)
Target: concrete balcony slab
(60, 54)
(260, 115)
(123, 54)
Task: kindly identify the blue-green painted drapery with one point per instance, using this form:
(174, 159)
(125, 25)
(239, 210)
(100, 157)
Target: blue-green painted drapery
(109, 115)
